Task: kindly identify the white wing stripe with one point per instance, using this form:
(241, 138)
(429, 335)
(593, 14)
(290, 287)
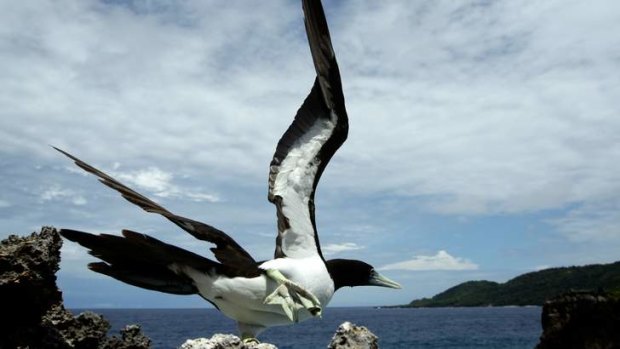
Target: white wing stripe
(294, 183)
(300, 165)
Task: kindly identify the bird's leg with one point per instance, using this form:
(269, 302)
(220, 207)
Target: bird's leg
(248, 333)
(291, 296)
(249, 340)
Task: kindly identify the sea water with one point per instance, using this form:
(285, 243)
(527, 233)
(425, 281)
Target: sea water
(424, 328)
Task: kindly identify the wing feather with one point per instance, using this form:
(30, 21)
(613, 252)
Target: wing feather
(318, 130)
(227, 251)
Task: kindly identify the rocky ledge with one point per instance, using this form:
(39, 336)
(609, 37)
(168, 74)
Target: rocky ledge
(223, 341)
(581, 320)
(33, 314)
(348, 336)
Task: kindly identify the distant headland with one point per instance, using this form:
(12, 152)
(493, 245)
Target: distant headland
(527, 289)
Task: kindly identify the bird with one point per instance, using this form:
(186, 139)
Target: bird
(298, 282)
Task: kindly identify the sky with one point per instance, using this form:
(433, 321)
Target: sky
(484, 135)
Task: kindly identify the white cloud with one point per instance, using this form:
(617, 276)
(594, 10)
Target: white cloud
(160, 183)
(440, 261)
(198, 197)
(491, 110)
(471, 109)
(331, 249)
(4, 204)
(57, 193)
(152, 179)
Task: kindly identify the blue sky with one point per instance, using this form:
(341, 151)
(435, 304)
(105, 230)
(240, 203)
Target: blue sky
(483, 142)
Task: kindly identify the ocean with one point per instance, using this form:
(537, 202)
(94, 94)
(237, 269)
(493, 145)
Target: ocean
(425, 328)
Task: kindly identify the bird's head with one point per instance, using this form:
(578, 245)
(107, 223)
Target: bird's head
(349, 272)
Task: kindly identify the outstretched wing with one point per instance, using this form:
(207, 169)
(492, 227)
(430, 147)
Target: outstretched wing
(318, 130)
(227, 251)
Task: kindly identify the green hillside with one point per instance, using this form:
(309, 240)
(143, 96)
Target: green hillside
(527, 289)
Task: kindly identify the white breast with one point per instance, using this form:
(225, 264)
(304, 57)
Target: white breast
(242, 299)
(310, 272)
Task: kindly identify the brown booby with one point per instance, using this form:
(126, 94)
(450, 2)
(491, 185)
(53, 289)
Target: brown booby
(298, 282)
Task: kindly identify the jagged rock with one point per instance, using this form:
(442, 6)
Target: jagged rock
(131, 338)
(28, 267)
(32, 312)
(223, 341)
(350, 336)
(581, 320)
(86, 330)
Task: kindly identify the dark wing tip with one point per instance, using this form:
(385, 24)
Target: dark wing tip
(99, 267)
(323, 54)
(73, 235)
(66, 154)
(131, 234)
(318, 35)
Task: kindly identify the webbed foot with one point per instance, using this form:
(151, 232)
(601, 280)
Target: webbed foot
(250, 340)
(292, 297)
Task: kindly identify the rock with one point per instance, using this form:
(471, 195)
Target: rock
(223, 341)
(350, 336)
(581, 320)
(86, 330)
(131, 338)
(28, 269)
(33, 314)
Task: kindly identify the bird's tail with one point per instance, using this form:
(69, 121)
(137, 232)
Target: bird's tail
(140, 260)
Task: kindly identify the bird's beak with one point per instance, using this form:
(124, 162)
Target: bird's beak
(377, 279)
